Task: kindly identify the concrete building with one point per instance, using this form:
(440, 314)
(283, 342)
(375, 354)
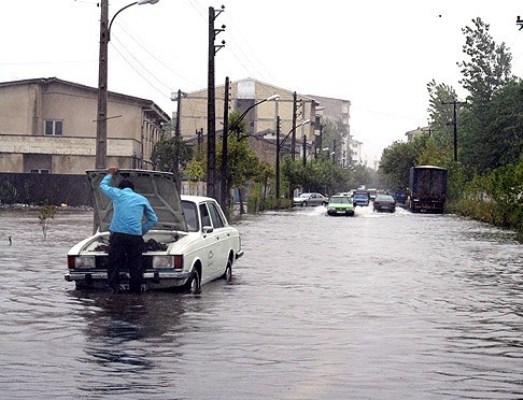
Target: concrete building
(261, 120)
(356, 150)
(411, 135)
(337, 111)
(48, 125)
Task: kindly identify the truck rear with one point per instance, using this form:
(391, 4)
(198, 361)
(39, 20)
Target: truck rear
(428, 189)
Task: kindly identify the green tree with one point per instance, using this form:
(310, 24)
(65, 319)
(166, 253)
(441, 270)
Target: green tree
(504, 142)
(488, 66)
(242, 164)
(46, 212)
(164, 154)
(396, 162)
(440, 112)
(486, 71)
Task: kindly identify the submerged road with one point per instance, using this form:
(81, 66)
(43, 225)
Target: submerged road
(377, 306)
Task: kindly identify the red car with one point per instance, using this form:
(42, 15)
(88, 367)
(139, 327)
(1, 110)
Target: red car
(384, 202)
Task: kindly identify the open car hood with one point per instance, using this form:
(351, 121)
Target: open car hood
(158, 187)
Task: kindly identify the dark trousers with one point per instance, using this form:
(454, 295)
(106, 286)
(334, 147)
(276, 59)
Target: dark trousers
(125, 252)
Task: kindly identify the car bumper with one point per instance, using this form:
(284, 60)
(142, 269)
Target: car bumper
(340, 212)
(151, 279)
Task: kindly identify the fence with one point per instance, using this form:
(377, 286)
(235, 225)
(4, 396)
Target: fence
(19, 188)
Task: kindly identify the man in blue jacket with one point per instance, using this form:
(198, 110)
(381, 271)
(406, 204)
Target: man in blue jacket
(127, 228)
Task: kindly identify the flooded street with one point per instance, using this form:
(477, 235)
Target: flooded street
(378, 306)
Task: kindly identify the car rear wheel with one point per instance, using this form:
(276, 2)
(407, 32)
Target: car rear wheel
(304, 204)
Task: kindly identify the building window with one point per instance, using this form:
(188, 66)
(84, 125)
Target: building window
(53, 127)
(39, 171)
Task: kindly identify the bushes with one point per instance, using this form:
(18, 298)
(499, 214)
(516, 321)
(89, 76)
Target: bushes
(496, 197)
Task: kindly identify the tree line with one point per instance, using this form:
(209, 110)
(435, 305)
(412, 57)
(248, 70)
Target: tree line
(254, 180)
(479, 139)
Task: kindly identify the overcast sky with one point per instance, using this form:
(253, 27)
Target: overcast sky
(378, 54)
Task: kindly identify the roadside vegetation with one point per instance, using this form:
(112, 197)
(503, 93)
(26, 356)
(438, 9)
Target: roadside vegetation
(486, 180)
(484, 158)
(254, 181)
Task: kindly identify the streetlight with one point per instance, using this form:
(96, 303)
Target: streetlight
(279, 146)
(223, 189)
(274, 97)
(105, 37)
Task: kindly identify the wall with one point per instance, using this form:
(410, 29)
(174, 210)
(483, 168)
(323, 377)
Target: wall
(72, 190)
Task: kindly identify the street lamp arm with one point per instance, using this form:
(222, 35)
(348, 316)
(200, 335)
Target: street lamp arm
(242, 116)
(118, 12)
(292, 130)
(139, 2)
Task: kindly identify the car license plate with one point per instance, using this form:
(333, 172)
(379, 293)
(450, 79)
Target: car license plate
(125, 287)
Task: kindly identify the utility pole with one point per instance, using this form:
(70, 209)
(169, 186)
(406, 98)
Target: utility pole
(304, 150)
(177, 135)
(224, 189)
(455, 103)
(211, 107)
(320, 139)
(293, 138)
(101, 119)
(278, 158)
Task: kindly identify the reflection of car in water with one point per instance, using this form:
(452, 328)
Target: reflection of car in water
(340, 205)
(192, 243)
(361, 197)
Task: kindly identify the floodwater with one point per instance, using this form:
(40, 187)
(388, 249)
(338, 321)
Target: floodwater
(377, 306)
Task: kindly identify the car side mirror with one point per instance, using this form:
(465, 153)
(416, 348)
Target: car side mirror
(207, 229)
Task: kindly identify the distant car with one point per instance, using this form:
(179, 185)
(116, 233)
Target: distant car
(401, 197)
(340, 205)
(192, 243)
(310, 199)
(384, 202)
(347, 194)
(361, 197)
(372, 193)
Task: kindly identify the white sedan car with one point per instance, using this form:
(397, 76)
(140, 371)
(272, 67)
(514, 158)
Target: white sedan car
(191, 245)
(310, 199)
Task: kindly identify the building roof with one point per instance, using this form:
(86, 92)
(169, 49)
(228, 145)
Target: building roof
(47, 81)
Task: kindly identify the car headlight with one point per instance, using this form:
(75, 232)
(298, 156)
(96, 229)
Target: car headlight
(165, 262)
(81, 262)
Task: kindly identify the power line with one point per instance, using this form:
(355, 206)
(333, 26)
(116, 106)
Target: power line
(160, 91)
(164, 64)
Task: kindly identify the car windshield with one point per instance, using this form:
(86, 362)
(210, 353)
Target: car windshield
(191, 216)
(384, 197)
(339, 200)
(305, 195)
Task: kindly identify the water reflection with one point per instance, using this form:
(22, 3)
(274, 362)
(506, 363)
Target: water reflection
(125, 336)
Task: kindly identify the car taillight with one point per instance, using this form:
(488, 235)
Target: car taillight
(178, 262)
